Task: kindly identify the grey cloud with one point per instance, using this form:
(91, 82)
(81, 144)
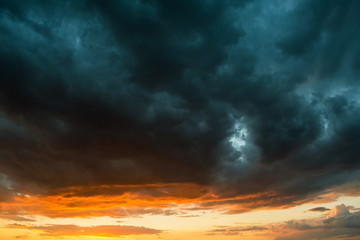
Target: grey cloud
(319, 209)
(224, 230)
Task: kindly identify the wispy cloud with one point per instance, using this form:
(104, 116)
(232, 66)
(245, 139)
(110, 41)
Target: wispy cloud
(74, 230)
(226, 230)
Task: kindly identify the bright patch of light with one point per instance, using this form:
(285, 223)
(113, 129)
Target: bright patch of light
(327, 131)
(238, 139)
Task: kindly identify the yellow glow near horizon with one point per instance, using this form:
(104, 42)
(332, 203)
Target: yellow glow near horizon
(199, 225)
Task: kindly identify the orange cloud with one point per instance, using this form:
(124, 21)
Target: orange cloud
(94, 201)
(160, 199)
(136, 200)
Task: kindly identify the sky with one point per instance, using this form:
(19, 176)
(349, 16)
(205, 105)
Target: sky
(181, 119)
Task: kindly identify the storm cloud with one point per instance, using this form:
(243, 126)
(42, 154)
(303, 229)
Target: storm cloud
(237, 97)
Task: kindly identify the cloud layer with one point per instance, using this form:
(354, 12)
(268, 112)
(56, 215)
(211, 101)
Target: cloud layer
(246, 100)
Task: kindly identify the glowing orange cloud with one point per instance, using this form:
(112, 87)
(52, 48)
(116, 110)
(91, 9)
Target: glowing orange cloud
(136, 200)
(113, 201)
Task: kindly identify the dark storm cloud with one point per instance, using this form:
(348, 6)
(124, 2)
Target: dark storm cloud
(116, 89)
(251, 96)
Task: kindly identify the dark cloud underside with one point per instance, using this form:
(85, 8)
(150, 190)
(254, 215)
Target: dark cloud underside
(243, 96)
